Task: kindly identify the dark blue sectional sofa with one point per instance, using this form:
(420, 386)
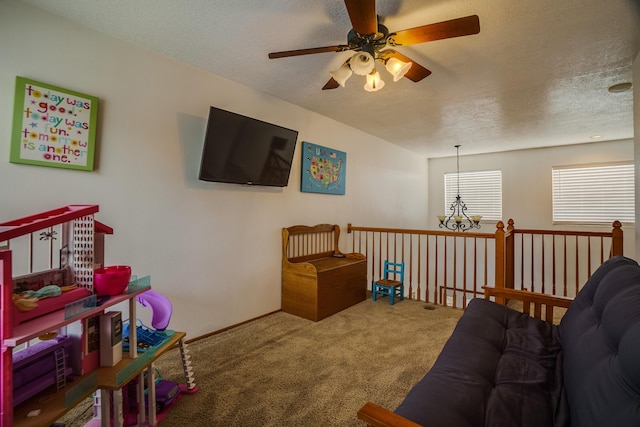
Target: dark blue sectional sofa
(501, 367)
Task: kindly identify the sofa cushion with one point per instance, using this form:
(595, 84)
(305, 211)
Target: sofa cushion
(500, 367)
(600, 336)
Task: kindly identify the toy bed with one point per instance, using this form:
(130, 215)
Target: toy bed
(39, 366)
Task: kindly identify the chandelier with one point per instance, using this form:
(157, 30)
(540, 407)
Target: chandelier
(458, 220)
(363, 63)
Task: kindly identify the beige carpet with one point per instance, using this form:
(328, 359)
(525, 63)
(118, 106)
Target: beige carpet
(282, 370)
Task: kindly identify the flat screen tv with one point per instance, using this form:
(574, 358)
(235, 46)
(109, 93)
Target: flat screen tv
(242, 150)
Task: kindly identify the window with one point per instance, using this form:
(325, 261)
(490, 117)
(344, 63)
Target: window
(594, 194)
(480, 191)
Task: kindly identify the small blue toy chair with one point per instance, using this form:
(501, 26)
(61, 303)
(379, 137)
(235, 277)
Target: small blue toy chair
(391, 287)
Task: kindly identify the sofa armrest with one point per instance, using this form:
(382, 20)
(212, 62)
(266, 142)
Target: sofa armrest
(538, 300)
(377, 416)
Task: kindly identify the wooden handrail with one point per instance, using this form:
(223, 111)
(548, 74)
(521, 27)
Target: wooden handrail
(563, 232)
(351, 228)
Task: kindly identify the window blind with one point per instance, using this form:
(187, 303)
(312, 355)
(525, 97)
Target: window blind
(480, 191)
(594, 194)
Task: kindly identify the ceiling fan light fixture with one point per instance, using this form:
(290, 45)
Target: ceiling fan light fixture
(342, 74)
(374, 82)
(397, 68)
(362, 63)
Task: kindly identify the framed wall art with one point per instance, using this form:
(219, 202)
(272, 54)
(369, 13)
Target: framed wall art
(53, 126)
(323, 169)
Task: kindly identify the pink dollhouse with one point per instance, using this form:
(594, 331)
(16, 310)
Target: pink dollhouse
(60, 278)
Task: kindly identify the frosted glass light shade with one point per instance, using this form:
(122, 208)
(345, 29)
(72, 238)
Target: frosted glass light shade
(362, 63)
(398, 68)
(374, 83)
(341, 74)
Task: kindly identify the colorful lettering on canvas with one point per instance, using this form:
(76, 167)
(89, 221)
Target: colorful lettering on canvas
(55, 127)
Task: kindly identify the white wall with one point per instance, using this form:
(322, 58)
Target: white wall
(526, 182)
(213, 249)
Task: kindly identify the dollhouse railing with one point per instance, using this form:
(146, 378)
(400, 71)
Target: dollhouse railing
(450, 268)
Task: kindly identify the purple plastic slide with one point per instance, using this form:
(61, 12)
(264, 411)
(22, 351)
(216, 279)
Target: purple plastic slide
(160, 306)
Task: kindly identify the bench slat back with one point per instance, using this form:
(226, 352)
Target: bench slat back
(304, 243)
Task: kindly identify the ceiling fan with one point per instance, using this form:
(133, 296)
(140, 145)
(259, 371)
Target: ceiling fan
(372, 42)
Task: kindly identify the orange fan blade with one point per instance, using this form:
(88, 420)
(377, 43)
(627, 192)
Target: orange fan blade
(362, 14)
(442, 30)
(416, 73)
(310, 51)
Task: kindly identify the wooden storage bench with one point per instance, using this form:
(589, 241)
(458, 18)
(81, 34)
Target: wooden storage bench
(317, 279)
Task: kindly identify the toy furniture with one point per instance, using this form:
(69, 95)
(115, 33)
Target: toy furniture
(390, 287)
(501, 367)
(40, 366)
(27, 366)
(317, 279)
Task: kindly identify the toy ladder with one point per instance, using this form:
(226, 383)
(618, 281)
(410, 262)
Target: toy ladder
(61, 377)
(186, 366)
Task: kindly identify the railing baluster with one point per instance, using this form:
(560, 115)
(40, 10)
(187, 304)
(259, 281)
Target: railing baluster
(427, 294)
(521, 261)
(589, 256)
(543, 262)
(486, 265)
(532, 263)
(455, 269)
(577, 267)
(475, 267)
(410, 261)
(444, 269)
(565, 266)
(436, 296)
(553, 268)
(464, 280)
(380, 251)
(419, 272)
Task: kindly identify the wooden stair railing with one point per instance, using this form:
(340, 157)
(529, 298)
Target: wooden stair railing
(550, 261)
(442, 267)
(450, 268)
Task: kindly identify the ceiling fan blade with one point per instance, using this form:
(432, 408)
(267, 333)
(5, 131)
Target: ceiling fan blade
(416, 73)
(331, 84)
(362, 14)
(310, 51)
(441, 30)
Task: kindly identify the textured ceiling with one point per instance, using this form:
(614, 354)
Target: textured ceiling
(536, 75)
